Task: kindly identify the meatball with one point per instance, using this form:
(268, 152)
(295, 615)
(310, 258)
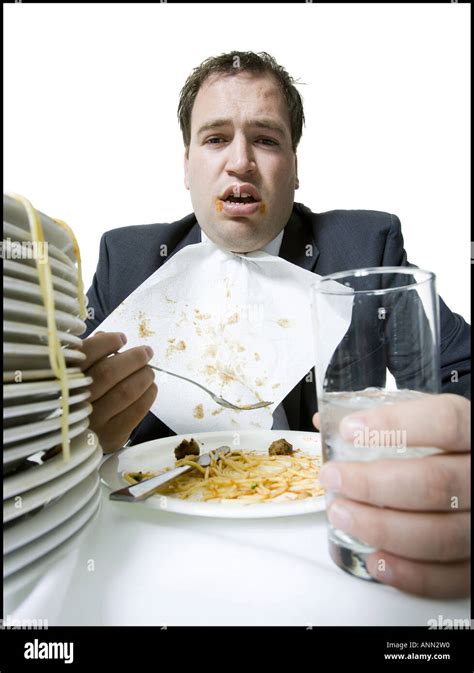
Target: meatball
(186, 448)
(280, 448)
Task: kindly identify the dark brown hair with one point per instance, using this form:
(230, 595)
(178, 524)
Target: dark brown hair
(232, 63)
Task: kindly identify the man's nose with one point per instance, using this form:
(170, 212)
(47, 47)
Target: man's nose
(240, 158)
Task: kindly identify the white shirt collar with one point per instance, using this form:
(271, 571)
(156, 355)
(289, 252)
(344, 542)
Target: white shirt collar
(272, 248)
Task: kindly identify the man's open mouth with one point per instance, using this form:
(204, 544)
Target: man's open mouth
(241, 193)
(240, 201)
(243, 198)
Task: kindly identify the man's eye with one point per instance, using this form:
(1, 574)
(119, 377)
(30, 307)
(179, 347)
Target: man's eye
(216, 140)
(213, 140)
(267, 140)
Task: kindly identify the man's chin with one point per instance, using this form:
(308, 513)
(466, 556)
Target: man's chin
(241, 243)
(241, 246)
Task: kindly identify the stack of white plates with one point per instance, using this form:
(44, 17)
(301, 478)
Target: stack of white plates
(47, 501)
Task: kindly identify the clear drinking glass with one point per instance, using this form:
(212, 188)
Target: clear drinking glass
(389, 353)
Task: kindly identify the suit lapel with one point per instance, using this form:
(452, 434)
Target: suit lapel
(193, 236)
(299, 248)
(298, 245)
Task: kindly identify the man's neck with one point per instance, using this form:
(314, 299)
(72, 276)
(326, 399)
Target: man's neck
(272, 248)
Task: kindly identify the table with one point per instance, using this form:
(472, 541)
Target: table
(138, 566)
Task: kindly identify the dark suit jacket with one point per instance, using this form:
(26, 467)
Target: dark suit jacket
(321, 242)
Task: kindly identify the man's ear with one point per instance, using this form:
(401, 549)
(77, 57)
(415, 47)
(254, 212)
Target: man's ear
(297, 182)
(186, 168)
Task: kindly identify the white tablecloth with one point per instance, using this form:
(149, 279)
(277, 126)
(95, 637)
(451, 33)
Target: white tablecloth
(138, 566)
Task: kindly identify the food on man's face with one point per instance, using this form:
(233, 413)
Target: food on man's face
(246, 477)
(280, 448)
(186, 448)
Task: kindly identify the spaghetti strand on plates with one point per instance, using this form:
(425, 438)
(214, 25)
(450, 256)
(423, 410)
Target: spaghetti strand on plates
(56, 355)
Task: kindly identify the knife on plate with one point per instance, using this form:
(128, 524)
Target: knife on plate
(143, 489)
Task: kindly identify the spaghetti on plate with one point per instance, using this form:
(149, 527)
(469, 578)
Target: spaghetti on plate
(244, 476)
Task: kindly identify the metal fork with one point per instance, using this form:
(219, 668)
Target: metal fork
(216, 398)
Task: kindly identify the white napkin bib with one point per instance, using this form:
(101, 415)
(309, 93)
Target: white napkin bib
(240, 325)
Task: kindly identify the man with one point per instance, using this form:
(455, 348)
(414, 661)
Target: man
(241, 119)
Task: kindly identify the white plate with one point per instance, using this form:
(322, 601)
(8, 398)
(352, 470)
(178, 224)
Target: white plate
(22, 332)
(28, 271)
(18, 234)
(33, 313)
(42, 495)
(15, 212)
(81, 448)
(26, 291)
(22, 357)
(26, 351)
(22, 557)
(29, 528)
(30, 574)
(39, 389)
(36, 376)
(46, 407)
(12, 454)
(159, 453)
(27, 430)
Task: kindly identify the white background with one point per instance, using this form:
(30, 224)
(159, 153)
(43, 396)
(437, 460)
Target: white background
(91, 133)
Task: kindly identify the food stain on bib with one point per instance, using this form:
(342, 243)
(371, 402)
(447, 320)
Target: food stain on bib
(198, 412)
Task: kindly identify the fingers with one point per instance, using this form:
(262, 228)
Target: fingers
(118, 429)
(134, 413)
(442, 421)
(317, 421)
(109, 371)
(122, 396)
(434, 580)
(433, 483)
(417, 536)
(123, 387)
(101, 345)
(415, 510)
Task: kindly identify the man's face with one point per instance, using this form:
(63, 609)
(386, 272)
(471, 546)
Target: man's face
(241, 144)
